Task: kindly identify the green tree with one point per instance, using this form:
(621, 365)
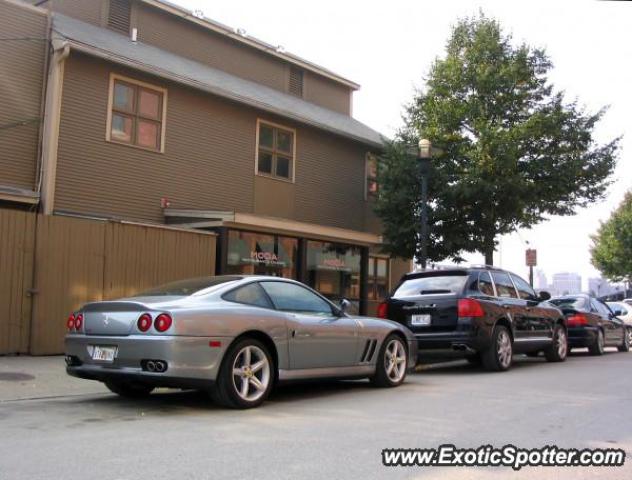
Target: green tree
(611, 252)
(512, 150)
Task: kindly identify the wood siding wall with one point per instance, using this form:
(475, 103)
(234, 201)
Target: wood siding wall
(22, 63)
(90, 11)
(189, 40)
(216, 50)
(16, 269)
(208, 161)
(78, 261)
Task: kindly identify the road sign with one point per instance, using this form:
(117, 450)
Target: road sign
(531, 257)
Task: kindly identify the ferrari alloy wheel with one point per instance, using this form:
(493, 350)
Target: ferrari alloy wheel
(392, 363)
(246, 375)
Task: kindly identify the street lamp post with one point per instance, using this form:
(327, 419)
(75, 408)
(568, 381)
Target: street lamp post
(425, 154)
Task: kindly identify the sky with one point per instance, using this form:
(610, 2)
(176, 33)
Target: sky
(388, 47)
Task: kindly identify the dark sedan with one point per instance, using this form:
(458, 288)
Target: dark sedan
(487, 314)
(592, 324)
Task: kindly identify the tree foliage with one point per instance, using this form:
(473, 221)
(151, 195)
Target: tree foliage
(512, 150)
(611, 252)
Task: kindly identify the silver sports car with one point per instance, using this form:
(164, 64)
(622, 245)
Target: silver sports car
(234, 336)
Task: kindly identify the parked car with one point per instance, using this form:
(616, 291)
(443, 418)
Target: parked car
(485, 313)
(624, 312)
(592, 324)
(234, 336)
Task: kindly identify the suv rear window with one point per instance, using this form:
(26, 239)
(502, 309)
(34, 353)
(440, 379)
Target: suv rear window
(431, 285)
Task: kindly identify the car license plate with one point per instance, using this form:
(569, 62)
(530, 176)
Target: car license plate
(420, 320)
(103, 353)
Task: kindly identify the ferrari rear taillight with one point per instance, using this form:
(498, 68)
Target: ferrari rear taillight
(468, 307)
(576, 320)
(70, 323)
(78, 321)
(163, 322)
(382, 310)
(144, 322)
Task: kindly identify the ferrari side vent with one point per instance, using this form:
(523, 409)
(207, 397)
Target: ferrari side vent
(369, 355)
(365, 351)
(369, 349)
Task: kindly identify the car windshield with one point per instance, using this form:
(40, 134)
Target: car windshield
(431, 285)
(578, 303)
(184, 288)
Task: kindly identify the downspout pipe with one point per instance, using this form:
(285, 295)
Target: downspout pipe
(52, 115)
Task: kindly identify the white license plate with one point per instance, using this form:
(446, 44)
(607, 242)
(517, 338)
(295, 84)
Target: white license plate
(420, 320)
(103, 354)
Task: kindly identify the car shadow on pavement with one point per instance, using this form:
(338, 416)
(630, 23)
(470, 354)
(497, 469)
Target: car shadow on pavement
(463, 367)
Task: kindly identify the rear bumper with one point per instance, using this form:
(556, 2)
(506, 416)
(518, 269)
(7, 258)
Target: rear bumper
(579, 337)
(191, 362)
(464, 341)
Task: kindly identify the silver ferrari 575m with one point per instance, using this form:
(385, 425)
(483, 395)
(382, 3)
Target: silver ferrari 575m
(234, 336)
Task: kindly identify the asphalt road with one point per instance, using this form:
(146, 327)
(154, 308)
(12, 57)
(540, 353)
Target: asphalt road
(64, 428)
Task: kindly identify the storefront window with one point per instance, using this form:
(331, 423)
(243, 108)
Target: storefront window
(261, 254)
(334, 270)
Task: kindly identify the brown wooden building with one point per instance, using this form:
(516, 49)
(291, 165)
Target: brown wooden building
(138, 110)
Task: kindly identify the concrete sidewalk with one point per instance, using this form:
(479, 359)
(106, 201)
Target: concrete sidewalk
(27, 377)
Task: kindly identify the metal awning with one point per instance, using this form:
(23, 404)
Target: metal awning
(248, 221)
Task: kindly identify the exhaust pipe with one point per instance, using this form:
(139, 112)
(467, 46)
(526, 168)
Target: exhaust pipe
(160, 366)
(151, 366)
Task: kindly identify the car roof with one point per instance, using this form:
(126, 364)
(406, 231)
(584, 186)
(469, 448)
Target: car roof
(457, 270)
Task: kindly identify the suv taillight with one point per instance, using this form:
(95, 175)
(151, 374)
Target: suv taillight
(382, 310)
(576, 320)
(469, 307)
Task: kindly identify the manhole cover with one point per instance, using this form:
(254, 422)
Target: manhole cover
(15, 376)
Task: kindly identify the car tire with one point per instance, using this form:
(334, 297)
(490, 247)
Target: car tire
(558, 350)
(598, 346)
(392, 363)
(129, 389)
(499, 356)
(246, 375)
(625, 347)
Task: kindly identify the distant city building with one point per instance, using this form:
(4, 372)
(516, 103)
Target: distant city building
(566, 283)
(541, 282)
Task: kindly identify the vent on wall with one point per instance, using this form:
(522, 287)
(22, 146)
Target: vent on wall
(296, 81)
(119, 15)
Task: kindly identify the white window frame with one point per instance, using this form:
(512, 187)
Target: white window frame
(261, 121)
(163, 118)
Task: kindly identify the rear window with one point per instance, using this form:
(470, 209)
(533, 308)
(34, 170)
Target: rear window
(184, 288)
(576, 303)
(431, 285)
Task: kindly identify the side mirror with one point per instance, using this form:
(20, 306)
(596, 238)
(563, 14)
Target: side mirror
(344, 305)
(617, 312)
(544, 296)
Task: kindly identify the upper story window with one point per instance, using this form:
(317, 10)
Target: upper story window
(372, 186)
(296, 81)
(276, 150)
(136, 114)
(119, 15)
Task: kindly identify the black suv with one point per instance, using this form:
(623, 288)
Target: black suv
(485, 313)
